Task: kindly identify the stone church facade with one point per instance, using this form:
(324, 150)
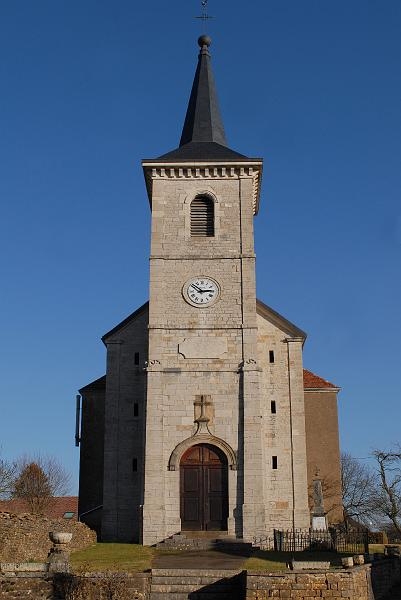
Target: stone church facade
(205, 417)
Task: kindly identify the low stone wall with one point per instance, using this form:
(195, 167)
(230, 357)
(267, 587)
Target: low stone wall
(25, 537)
(41, 586)
(348, 584)
(367, 582)
(102, 586)
(36, 586)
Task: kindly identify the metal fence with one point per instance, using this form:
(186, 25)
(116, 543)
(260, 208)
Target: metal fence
(356, 542)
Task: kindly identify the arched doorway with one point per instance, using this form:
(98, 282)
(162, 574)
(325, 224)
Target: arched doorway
(204, 489)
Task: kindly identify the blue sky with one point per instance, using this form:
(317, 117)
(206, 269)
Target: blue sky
(90, 88)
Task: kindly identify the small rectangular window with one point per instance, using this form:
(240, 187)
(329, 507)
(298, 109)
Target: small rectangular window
(136, 409)
(274, 462)
(271, 356)
(273, 407)
(136, 358)
(135, 465)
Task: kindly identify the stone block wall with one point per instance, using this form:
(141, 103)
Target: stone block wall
(38, 587)
(125, 409)
(102, 586)
(359, 583)
(351, 585)
(71, 587)
(283, 430)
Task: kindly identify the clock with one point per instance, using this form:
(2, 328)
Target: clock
(201, 291)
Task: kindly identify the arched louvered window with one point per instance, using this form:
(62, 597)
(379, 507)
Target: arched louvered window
(202, 217)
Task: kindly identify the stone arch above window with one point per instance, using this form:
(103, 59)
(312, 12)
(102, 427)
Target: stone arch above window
(175, 457)
(202, 216)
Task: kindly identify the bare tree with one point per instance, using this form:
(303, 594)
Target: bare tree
(33, 487)
(359, 489)
(38, 481)
(387, 501)
(7, 477)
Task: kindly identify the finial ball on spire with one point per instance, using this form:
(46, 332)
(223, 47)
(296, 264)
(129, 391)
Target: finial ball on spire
(204, 40)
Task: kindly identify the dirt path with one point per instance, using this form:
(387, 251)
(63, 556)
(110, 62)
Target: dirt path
(192, 560)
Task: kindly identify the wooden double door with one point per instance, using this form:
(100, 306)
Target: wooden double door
(204, 489)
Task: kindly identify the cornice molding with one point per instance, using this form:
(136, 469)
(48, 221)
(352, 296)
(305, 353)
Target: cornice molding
(205, 170)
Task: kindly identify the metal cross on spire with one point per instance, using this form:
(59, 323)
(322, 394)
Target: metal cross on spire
(204, 16)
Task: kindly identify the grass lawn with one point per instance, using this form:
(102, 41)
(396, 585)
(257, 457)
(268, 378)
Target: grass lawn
(269, 560)
(130, 558)
(379, 548)
(134, 558)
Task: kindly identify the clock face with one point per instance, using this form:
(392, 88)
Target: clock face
(201, 291)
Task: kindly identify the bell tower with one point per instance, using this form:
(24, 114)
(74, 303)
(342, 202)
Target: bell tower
(204, 450)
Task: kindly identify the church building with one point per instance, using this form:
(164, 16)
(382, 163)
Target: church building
(206, 419)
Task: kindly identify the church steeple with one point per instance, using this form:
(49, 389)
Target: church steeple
(203, 135)
(203, 122)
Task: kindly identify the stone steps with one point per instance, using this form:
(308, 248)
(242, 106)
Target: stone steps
(183, 584)
(190, 541)
(223, 544)
(182, 542)
(193, 596)
(234, 546)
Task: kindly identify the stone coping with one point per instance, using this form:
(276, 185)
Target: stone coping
(24, 567)
(307, 565)
(222, 573)
(292, 572)
(122, 574)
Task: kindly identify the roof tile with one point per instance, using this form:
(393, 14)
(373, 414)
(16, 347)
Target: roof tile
(315, 382)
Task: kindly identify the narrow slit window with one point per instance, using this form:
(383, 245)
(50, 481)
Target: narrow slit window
(274, 462)
(271, 356)
(202, 217)
(273, 407)
(135, 465)
(136, 358)
(136, 409)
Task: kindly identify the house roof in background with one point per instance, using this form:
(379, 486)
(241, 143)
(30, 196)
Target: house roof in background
(58, 508)
(314, 382)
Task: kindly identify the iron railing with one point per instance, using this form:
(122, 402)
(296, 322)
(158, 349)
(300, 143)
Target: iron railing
(356, 542)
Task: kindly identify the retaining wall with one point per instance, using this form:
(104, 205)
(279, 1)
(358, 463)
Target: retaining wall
(59, 586)
(366, 582)
(350, 585)
(25, 537)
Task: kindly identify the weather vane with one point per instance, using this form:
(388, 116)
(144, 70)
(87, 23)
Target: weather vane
(204, 16)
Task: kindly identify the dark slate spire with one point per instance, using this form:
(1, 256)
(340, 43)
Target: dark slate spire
(203, 134)
(203, 121)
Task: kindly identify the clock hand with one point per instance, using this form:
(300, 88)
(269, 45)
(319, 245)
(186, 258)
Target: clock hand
(196, 288)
